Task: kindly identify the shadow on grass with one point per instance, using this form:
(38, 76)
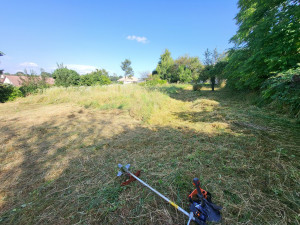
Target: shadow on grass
(63, 171)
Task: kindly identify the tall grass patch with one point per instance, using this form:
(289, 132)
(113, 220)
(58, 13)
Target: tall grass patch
(140, 102)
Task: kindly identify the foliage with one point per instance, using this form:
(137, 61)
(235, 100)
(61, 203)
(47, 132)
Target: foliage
(267, 41)
(1, 54)
(215, 65)
(20, 73)
(32, 83)
(197, 87)
(9, 93)
(184, 74)
(184, 69)
(193, 64)
(98, 77)
(114, 78)
(153, 81)
(65, 77)
(126, 67)
(45, 74)
(164, 66)
(283, 90)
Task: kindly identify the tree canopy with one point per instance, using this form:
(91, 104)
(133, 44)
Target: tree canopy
(66, 77)
(126, 67)
(98, 77)
(267, 41)
(184, 69)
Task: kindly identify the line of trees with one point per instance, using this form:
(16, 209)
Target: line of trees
(186, 69)
(66, 77)
(266, 52)
(265, 57)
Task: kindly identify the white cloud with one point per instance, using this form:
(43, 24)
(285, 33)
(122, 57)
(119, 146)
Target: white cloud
(143, 40)
(81, 69)
(28, 64)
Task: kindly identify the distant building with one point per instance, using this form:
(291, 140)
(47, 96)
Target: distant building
(129, 80)
(18, 80)
(1, 78)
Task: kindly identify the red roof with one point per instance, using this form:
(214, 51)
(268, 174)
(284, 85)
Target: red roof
(18, 80)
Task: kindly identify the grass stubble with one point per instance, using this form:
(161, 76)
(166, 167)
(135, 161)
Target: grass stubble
(59, 153)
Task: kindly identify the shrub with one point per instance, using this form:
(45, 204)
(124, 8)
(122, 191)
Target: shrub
(283, 90)
(32, 84)
(155, 80)
(65, 77)
(197, 87)
(9, 93)
(98, 77)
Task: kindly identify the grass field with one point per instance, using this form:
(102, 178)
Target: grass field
(60, 149)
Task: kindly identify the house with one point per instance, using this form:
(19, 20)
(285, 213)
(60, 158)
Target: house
(18, 80)
(129, 80)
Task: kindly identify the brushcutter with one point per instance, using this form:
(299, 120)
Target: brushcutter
(201, 207)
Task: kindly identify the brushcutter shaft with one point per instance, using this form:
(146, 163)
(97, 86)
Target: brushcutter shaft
(162, 196)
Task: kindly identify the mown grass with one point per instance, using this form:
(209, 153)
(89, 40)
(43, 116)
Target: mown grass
(59, 158)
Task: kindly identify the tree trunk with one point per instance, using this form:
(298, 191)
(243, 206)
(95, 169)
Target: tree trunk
(213, 81)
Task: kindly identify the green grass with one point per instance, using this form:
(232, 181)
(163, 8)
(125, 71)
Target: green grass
(135, 99)
(59, 156)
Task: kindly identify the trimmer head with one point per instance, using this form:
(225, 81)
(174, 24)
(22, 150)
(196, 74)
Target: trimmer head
(124, 170)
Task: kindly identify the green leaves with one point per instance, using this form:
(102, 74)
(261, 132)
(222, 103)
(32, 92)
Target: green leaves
(267, 41)
(66, 77)
(164, 65)
(98, 77)
(126, 67)
(184, 69)
(283, 89)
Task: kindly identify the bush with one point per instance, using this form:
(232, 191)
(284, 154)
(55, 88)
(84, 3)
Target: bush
(197, 87)
(9, 93)
(98, 77)
(65, 77)
(155, 80)
(32, 84)
(283, 90)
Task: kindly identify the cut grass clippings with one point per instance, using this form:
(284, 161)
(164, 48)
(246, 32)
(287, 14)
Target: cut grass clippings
(58, 156)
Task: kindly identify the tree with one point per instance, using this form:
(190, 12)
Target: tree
(114, 77)
(191, 63)
(266, 42)
(65, 77)
(98, 77)
(1, 54)
(145, 75)
(20, 73)
(45, 74)
(184, 74)
(215, 64)
(126, 67)
(164, 65)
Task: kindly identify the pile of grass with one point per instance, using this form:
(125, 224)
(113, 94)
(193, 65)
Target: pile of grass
(140, 102)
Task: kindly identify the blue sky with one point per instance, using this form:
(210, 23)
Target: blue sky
(87, 34)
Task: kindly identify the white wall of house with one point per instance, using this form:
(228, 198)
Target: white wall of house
(7, 81)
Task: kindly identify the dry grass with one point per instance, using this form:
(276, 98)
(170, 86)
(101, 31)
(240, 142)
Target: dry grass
(133, 98)
(59, 152)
